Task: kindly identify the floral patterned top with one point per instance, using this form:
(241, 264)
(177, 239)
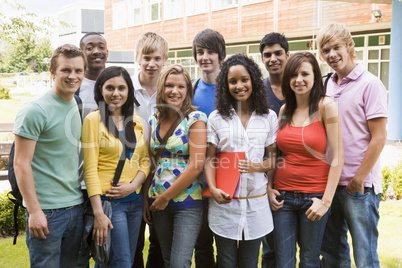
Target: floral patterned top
(173, 162)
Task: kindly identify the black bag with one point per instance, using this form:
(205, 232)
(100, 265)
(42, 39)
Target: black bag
(100, 254)
(15, 195)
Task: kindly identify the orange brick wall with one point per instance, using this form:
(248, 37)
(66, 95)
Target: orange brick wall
(253, 20)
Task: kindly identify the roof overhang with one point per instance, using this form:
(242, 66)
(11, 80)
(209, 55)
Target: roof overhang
(388, 2)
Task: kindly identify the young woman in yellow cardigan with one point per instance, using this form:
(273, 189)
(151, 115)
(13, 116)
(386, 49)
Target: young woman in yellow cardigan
(114, 94)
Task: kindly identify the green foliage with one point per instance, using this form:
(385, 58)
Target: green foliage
(4, 92)
(392, 175)
(397, 181)
(7, 216)
(20, 36)
(386, 181)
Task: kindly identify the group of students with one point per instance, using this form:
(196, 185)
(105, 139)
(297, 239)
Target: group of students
(309, 174)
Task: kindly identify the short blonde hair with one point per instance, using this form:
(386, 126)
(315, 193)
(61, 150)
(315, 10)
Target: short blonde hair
(150, 42)
(337, 32)
(162, 108)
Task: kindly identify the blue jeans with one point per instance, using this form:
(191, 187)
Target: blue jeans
(60, 248)
(359, 215)
(177, 232)
(204, 250)
(234, 253)
(291, 226)
(268, 254)
(126, 220)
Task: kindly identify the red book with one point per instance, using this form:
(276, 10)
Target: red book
(227, 173)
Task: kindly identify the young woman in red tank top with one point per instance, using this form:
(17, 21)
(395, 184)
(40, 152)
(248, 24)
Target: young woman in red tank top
(305, 181)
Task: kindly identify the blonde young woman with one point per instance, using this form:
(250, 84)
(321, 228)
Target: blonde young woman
(175, 194)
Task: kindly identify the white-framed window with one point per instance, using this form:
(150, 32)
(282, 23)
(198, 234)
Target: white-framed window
(135, 12)
(378, 63)
(153, 10)
(119, 15)
(222, 4)
(194, 7)
(247, 2)
(173, 9)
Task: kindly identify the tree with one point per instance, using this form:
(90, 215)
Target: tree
(27, 55)
(24, 50)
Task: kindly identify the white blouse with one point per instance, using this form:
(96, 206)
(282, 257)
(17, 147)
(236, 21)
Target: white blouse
(252, 216)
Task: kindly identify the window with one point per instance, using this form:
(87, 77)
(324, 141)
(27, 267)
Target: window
(246, 2)
(119, 15)
(173, 9)
(153, 10)
(221, 4)
(378, 64)
(134, 12)
(196, 7)
(92, 21)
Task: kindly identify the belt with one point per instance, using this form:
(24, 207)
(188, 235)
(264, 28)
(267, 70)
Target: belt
(249, 197)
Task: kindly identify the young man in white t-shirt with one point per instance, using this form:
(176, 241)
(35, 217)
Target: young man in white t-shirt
(151, 55)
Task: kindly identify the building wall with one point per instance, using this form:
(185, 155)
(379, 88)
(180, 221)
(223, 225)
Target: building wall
(246, 21)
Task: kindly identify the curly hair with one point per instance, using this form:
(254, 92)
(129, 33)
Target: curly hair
(224, 100)
(317, 91)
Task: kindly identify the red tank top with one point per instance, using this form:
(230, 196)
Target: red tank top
(304, 166)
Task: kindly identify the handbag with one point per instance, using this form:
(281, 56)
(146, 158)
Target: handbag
(100, 254)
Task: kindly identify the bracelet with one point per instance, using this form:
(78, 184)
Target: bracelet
(325, 204)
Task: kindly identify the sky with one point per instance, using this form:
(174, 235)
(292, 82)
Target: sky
(48, 7)
(43, 8)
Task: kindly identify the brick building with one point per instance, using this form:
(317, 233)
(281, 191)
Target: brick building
(244, 22)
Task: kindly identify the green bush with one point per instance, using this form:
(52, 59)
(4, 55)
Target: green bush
(4, 92)
(386, 181)
(7, 216)
(392, 175)
(397, 180)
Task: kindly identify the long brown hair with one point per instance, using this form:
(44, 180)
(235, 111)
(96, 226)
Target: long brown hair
(161, 105)
(316, 93)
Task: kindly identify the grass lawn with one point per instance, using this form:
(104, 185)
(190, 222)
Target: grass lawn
(9, 109)
(389, 248)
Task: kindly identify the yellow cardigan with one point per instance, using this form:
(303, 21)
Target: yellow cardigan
(101, 151)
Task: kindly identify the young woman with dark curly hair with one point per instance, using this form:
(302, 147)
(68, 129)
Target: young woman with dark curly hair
(241, 123)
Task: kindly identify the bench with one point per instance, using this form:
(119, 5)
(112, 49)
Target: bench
(5, 147)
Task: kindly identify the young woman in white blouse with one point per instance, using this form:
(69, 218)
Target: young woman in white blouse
(241, 123)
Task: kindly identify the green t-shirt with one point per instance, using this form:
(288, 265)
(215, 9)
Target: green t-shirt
(55, 125)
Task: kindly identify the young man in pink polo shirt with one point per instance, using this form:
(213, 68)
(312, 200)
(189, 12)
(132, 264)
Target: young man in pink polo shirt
(362, 104)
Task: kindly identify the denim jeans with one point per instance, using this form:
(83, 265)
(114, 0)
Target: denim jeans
(233, 253)
(359, 215)
(291, 226)
(177, 232)
(268, 254)
(204, 250)
(154, 259)
(126, 220)
(60, 248)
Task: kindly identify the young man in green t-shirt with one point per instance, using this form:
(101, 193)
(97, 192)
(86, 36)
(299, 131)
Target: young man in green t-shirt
(47, 134)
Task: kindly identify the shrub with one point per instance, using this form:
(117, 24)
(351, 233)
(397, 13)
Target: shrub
(397, 180)
(7, 216)
(386, 181)
(4, 92)
(392, 175)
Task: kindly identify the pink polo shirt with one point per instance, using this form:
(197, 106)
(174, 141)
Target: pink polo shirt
(360, 96)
